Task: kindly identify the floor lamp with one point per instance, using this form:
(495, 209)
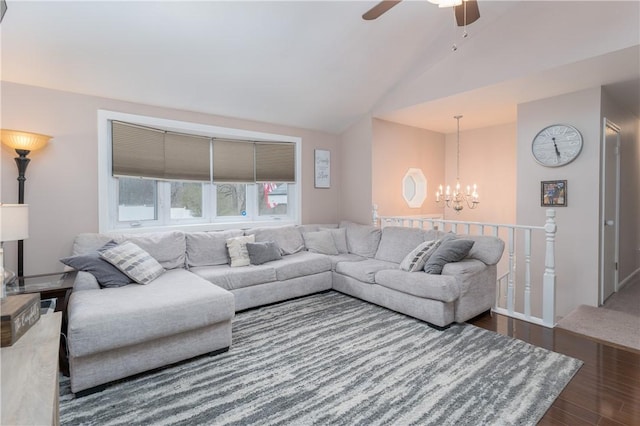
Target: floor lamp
(23, 143)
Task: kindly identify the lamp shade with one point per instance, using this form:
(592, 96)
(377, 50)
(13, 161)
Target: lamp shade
(23, 140)
(14, 222)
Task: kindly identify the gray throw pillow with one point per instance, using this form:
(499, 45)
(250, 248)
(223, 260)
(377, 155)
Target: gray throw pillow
(320, 242)
(450, 250)
(133, 261)
(418, 257)
(106, 274)
(263, 252)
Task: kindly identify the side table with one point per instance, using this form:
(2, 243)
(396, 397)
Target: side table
(50, 286)
(29, 369)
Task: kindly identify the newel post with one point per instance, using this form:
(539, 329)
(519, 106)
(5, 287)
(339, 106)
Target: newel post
(374, 217)
(549, 278)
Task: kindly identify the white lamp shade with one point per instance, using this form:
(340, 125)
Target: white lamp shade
(14, 222)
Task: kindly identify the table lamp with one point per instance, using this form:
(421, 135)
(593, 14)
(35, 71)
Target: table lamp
(14, 225)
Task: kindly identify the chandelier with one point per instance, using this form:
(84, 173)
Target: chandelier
(458, 198)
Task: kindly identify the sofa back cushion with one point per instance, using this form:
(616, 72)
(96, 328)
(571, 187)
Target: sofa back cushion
(209, 248)
(168, 248)
(288, 238)
(397, 242)
(362, 240)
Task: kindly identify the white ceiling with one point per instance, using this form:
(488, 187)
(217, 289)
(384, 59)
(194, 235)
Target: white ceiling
(309, 64)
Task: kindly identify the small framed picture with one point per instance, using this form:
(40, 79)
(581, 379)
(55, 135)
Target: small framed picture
(322, 163)
(553, 193)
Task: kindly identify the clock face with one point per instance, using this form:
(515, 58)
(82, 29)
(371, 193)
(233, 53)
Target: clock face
(556, 145)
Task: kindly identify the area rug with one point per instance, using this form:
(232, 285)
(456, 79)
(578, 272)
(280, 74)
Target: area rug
(329, 359)
(605, 325)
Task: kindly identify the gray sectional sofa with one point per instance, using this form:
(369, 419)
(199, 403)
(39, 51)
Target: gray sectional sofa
(187, 311)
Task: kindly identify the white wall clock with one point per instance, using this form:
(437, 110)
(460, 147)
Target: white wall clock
(556, 145)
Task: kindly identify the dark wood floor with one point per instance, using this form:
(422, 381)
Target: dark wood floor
(605, 391)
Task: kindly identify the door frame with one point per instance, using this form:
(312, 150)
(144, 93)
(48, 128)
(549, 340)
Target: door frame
(609, 124)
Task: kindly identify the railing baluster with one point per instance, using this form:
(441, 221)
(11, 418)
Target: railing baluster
(527, 273)
(512, 272)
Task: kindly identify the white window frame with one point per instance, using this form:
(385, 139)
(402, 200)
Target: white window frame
(108, 185)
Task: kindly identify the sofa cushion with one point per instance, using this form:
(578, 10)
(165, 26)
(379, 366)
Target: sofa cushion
(314, 227)
(418, 257)
(209, 248)
(365, 270)
(234, 278)
(450, 250)
(300, 265)
(339, 239)
(263, 252)
(168, 248)
(344, 257)
(238, 253)
(486, 248)
(362, 240)
(133, 261)
(397, 242)
(438, 287)
(320, 242)
(175, 302)
(289, 238)
(105, 273)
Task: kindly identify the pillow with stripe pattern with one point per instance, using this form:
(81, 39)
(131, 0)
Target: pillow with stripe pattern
(415, 261)
(133, 261)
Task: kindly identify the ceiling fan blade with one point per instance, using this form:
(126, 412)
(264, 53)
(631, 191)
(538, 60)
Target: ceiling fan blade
(473, 13)
(379, 9)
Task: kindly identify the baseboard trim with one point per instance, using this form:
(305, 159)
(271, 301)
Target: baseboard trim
(629, 278)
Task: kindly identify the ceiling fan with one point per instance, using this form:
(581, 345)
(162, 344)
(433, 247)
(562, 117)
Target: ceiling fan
(466, 11)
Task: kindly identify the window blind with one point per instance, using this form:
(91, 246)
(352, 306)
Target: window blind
(275, 162)
(233, 161)
(137, 151)
(186, 157)
(158, 154)
(152, 153)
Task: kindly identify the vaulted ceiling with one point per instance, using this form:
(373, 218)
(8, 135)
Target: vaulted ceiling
(317, 64)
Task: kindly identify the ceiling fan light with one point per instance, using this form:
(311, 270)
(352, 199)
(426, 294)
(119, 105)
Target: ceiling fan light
(446, 3)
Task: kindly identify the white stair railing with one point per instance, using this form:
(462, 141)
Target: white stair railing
(510, 305)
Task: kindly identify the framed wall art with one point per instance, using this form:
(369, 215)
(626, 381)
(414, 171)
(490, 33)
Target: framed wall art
(553, 193)
(322, 162)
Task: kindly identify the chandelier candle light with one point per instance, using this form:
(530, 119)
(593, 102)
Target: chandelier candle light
(458, 199)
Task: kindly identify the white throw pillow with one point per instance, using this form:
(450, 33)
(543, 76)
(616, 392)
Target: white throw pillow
(134, 262)
(238, 253)
(416, 260)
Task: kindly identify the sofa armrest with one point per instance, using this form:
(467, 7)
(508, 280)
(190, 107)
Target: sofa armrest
(85, 281)
(464, 267)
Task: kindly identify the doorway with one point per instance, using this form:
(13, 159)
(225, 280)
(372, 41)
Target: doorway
(609, 224)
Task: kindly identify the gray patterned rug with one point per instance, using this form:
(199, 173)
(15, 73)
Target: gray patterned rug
(329, 359)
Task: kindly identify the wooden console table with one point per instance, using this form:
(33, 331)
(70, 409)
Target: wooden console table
(30, 375)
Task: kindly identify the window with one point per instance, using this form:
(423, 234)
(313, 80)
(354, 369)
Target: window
(164, 173)
(272, 198)
(231, 199)
(186, 200)
(137, 199)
